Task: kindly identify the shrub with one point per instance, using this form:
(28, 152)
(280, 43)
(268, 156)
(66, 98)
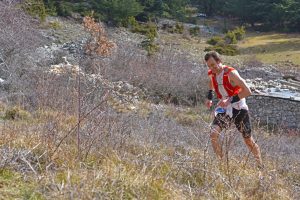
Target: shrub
(16, 113)
(50, 8)
(233, 36)
(55, 25)
(35, 8)
(225, 49)
(223, 45)
(152, 30)
(184, 117)
(132, 22)
(149, 29)
(150, 46)
(179, 28)
(191, 20)
(215, 40)
(195, 31)
(98, 43)
(64, 9)
(239, 32)
(230, 38)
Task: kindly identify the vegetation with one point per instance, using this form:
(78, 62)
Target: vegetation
(272, 47)
(35, 8)
(55, 25)
(226, 45)
(271, 15)
(216, 40)
(195, 31)
(224, 49)
(70, 136)
(135, 164)
(119, 11)
(98, 43)
(148, 29)
(281, 15)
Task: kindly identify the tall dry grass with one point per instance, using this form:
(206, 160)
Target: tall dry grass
(154, 152)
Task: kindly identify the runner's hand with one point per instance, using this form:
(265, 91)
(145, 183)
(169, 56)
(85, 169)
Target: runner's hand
(224, 103)
(208, 103)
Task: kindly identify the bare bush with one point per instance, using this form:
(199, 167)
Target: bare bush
(18, 32)
(133, 154)
(19, 37)
(168, 73)
(125, 154)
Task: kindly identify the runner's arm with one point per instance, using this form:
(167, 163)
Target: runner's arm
(239, 81)
(209, 96)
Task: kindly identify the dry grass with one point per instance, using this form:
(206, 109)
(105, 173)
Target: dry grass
(195, 47)
(192, 45)
(150, 158)
(272, 47)
(155, 152)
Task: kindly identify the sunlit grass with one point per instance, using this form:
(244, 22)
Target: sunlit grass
(13, 186)
(133, 170)
(272, 47)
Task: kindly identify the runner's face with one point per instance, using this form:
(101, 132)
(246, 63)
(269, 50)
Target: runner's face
(212, 64)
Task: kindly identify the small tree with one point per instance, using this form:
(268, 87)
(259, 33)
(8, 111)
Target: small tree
(230, 37)
(35, 8)
(239, 32)
(98, 43)
(118, 11)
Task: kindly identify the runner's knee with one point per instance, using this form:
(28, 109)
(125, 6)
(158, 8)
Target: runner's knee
(251, 143)
(246, 132)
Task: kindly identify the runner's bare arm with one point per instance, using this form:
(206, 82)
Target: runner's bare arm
(239, 81)
(210, 84)
(208, 101)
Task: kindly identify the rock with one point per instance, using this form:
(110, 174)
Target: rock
(277, 89)
(4, 85)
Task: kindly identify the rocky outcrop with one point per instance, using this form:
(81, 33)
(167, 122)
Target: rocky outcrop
(123, 96)
(264, 72)
(277, 88)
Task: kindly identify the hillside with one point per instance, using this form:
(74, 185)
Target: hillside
(126, 125)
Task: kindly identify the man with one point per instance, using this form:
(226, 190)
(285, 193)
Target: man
(232, 90)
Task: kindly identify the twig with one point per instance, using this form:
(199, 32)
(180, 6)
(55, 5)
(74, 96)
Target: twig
(73, 128)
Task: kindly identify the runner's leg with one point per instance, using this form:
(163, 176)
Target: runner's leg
(243, 124)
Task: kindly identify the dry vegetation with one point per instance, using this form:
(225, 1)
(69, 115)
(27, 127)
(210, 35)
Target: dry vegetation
(61, 138)
(125, 156)
(273, 47)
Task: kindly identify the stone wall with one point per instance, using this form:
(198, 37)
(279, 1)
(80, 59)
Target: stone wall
(275, 110)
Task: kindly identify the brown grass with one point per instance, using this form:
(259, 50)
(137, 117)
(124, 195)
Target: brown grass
(272, 47)
(140, 165)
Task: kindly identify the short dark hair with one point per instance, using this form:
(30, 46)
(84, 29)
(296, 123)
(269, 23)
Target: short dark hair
(213, 54)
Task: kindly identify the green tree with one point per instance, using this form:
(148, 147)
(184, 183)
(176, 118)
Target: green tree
(294, 16)
(35, 8)
(210, 7)
(249, 11)
(284, 15)
(119, 10)
(175, 8)
(152, 10)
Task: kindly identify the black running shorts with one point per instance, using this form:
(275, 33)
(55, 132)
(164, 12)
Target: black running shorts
(239, 117)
